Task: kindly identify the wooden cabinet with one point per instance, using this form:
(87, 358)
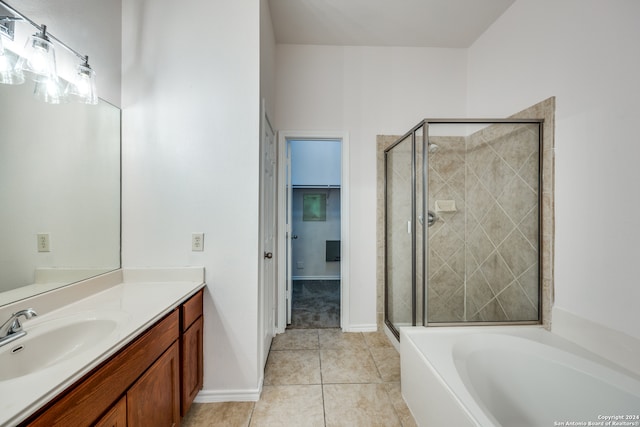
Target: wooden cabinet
(191, 352)
(150, 382)
(154, 400)
(116, 417)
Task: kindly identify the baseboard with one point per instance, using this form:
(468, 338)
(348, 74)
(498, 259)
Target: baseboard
(365, 327)
(315, 277)
(602, 340)
(213, 396)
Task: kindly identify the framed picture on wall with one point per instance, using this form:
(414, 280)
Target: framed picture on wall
(314, 207)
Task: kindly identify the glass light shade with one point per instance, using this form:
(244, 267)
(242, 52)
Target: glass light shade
(50, 91)
(83, 86)
(39, 58)
(8, 73)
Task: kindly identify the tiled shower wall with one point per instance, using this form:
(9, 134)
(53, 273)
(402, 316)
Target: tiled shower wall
(502, 223)
(495, 186)
(492, 237)
(447, 267)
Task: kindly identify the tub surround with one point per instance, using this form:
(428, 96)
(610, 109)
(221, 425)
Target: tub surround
(611, 344)
(138, 298)
(506, 375)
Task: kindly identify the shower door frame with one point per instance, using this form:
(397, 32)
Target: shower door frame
(414, 288)
(424, 124)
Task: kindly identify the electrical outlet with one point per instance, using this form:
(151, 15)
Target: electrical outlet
(43, 242)
(300, 265)
(197, 242)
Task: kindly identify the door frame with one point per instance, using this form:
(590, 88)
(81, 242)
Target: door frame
(283, 138)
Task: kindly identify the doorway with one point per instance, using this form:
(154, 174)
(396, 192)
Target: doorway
(313, 231)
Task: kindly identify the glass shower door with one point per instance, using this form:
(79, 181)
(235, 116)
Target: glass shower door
(462, 223)
(399, 259)
(484, 187)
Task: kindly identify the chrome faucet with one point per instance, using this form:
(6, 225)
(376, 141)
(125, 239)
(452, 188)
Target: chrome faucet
(11, 330)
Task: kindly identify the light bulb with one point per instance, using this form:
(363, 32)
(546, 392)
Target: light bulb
(49, 91)
(83, 87)
(39, 60)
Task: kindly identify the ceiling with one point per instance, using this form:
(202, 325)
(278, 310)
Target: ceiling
(424, 23)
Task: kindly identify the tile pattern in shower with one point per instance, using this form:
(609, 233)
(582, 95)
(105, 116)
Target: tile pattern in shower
(447, 268)
(502, 223)
(493, 177)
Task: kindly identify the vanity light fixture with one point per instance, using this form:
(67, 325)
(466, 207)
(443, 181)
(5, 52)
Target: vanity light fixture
(83, 87)
(8, 73)
(39, 58)
(38, 62)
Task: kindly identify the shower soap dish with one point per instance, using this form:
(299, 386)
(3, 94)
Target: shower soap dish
(446, 206)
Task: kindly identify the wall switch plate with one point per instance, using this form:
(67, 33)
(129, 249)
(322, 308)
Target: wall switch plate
(43, 242)
(197, 242)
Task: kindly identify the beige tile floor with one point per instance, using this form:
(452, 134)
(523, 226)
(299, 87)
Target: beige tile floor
(319, 377)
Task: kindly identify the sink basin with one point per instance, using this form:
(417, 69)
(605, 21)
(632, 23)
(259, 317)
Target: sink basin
(53, 341)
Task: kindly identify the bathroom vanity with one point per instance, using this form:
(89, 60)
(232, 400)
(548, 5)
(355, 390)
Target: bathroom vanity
(130, 353)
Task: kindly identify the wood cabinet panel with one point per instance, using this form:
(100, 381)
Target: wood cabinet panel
(116, 417)
(94, 394)
(191, 310)
(191, 365)
(154, 400)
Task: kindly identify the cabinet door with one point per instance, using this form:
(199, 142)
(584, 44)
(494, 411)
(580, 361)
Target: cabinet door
(154, 400)
(116, 417)
(191, 364)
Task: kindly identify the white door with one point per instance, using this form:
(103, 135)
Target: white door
(268, 237)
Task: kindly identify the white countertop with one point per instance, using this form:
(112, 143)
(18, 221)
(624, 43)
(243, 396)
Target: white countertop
(141, 299)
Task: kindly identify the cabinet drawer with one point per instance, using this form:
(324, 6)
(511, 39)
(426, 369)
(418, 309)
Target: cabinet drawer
(191, 310)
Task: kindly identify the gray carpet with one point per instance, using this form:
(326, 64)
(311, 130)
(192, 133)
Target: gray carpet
(315, 304)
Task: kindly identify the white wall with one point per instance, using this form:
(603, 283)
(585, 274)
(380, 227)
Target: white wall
(586, 54)
(309, 248)
(365, 91)
(191, 102)
(315, 163)
(267, 59)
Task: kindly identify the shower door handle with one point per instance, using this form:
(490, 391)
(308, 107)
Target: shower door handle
(431, 218)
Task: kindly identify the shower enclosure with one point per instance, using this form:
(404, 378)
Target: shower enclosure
(463, 224)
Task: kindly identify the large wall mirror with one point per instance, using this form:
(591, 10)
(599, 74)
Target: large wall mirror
(59, 192)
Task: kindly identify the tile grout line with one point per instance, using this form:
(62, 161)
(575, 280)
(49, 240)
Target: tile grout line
(324, 407)
(251, 415)
(384, 384)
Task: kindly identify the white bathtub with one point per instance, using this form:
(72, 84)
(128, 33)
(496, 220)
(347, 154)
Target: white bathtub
(511, 376)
